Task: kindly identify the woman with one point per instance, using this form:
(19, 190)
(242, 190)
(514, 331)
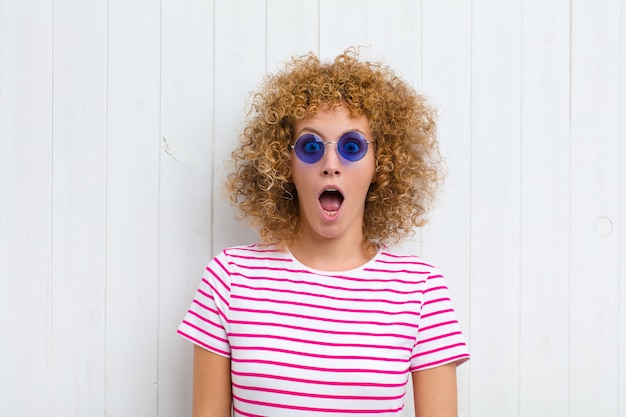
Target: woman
(338, 161)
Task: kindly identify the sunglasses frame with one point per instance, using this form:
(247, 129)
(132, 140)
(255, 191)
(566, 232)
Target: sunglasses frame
(346, 136)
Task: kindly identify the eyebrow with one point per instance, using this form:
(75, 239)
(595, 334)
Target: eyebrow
(310, 129)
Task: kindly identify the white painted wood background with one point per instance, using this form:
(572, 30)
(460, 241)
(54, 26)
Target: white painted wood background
(115, 117)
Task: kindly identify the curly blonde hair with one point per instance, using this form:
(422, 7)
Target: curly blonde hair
(408, 163)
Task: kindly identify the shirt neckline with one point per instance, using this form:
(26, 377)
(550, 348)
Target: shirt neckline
(299, 264)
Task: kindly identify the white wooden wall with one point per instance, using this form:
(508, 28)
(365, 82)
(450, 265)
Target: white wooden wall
(115, 117)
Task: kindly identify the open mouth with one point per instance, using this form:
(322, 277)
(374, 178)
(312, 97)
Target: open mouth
(331, 200)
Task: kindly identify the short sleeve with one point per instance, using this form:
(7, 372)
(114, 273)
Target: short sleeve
(205, 323)
(439, 339)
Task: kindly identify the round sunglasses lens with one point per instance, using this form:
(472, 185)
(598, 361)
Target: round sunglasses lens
(352, 146)
(309, 148)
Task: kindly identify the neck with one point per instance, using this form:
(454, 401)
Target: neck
(331, 254)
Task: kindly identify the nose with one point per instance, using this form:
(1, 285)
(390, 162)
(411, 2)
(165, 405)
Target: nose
(331, 165)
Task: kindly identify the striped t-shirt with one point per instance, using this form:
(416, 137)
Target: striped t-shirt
(304, 342)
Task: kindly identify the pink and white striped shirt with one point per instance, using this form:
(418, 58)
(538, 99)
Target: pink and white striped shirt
(309, 343)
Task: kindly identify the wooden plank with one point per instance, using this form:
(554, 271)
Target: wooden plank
(595, 144)
(25, 205)
(293, 29)
(187, 88)
(545, 207)
(446, 81)
(495, 208)
(239, 68)
(133, 152)
(78, 206)
(622, 225)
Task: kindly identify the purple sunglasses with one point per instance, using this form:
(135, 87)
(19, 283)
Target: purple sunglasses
(310, 148)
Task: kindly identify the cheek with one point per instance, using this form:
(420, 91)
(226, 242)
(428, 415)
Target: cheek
(372, 174)
(369, 170)
(295, 171)
(301, 174)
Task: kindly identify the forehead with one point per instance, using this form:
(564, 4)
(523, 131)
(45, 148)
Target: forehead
(332, 123)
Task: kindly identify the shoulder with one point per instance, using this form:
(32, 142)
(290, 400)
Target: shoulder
(408, 263)
(252, 252)
(249, 255)
(408, 268)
